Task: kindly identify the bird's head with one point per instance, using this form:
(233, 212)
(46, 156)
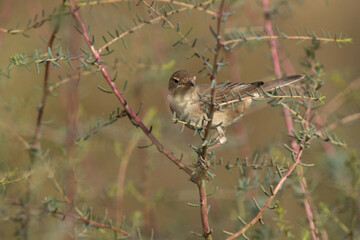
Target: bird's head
(182, 80)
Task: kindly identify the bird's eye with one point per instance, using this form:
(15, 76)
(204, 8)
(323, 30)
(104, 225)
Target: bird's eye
(176, 80)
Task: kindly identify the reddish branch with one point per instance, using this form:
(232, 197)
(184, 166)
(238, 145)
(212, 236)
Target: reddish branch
(35, 143)
(120, 97)
(289, 123)
(270, 199)
(202, 181)
(296, 147)
(203, 209)
(4, 15)
(342, 121)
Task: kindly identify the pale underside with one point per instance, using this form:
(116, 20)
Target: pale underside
(190, 104)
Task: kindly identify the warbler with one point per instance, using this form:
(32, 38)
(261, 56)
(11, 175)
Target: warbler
(191, 101)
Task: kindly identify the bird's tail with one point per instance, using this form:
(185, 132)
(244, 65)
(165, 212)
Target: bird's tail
(271, 85)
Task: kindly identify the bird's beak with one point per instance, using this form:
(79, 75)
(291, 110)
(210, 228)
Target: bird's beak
(190, 84)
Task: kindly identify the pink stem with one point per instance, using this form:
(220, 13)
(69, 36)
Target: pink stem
(203, 209)
(4, 15)
(270, 199)
(289, 122)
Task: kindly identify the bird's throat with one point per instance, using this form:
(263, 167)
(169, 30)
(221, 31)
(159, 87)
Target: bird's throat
(181, 99)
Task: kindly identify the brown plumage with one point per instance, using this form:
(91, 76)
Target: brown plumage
(190, 100)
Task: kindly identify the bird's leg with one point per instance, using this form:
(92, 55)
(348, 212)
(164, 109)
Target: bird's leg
(202, 163)
(221, 137)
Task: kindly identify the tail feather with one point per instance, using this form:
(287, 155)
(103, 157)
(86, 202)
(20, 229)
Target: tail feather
(271, 85)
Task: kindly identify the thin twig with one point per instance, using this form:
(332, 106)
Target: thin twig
(339, 99)
(199, 7)
(82, 219)
(274, 37)
(35, 143)
(123, 166)
(294, 113)
(62, 193)
(271, 97)
(35, 24)
(183, 37)
(342, 121)
(11, 129)
(94, 223)
(137, 27)
(154, 20)
(56, 85)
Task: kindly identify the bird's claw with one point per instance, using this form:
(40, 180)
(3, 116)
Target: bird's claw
(203, 163)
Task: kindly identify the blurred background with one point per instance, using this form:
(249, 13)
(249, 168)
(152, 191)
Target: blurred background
(140, 187)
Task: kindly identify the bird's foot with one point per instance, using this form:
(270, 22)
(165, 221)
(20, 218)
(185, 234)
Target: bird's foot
(203, 163)
(220, 140)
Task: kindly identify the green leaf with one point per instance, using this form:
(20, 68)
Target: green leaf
(104, 90)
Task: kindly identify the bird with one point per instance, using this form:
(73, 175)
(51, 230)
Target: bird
(191, 101)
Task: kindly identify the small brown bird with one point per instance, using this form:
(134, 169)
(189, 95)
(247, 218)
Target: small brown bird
(190, 100)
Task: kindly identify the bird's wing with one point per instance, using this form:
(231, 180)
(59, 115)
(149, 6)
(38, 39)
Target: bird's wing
(236, 88)
(277, 83)
(228, 91)
(233, 90)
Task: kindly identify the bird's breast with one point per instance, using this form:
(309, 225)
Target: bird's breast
(188, 106)
(182, 104)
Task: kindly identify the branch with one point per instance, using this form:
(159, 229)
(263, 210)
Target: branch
(56, 85)
(342, 121)
(36, 24)
(183, 37)
(137, 27)
(46, 92)
(273, 37)
(269, 96)
(11, 129)
(340, 98)
(154, 20)
(94, 223)
(82, 219)
(201, 7)
(270, 199)
(213, 81)
(132, 115)
(123, 166)
(289, 123)
(201, 182)
(204, 209)
(23, 60)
